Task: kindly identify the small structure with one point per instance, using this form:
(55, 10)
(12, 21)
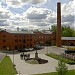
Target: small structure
(36, 55)
(70, 41)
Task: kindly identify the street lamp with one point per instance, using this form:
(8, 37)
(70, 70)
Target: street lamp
(47, 49)
(36, 54)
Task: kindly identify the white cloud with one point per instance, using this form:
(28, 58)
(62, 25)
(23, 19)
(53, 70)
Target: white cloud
(14, 3)
(35, 17)
(4, 16)
(68, 8)
(20, 3)
(37, 1)
(68, 13)
(37, 13)
(30, 20)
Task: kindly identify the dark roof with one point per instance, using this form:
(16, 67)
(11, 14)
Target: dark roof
(43, 32)
(20, 32)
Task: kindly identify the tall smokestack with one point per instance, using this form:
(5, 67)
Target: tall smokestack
(58, 32)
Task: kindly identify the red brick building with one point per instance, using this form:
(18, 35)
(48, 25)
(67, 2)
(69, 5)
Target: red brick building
(14, 40)
(68, 41)
(45, 37)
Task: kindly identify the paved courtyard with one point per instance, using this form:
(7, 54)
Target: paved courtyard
(27, 69)
(1, 56)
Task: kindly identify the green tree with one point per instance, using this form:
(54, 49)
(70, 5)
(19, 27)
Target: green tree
(62, 68)
(73, 34)
(66, 31)
(53, 28)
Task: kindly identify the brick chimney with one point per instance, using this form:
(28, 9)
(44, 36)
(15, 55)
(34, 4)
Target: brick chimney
(58, 32)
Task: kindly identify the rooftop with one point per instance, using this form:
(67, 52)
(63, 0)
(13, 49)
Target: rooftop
(68, 38)
(20, 32)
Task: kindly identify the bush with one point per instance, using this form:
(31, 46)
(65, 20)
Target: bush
(62, 68)
(71, 48)
(58, 57)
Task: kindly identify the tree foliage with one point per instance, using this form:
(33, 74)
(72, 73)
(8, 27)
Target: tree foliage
(62, 68)
(66, 31)
(53, 28)
(73, 34)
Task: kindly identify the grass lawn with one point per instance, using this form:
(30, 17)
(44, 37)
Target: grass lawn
(70, 72)
(6, 67)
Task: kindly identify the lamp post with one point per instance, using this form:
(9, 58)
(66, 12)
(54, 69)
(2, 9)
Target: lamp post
(47, 49)
(36, 54)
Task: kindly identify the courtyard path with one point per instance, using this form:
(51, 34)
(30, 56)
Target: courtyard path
(27, 69)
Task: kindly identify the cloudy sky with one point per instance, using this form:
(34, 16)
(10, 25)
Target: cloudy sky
(35, 14)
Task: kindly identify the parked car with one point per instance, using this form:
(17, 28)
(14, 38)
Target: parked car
(69, 51)
(21, 50)
(27, 49)
(38, 47)
(31, 49)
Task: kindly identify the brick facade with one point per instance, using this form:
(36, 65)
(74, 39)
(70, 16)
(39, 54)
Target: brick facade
(15, 41)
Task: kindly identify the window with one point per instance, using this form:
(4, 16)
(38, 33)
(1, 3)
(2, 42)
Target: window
(24, 41)
(16, 47)
(4, 46)
(30, 45)
(24, 35)
(27, 39)
(4, 36)
(30, 35)
(23, 46)
(20, 35)
(20, 40)
(30, 39)
(15, 35)
(15, 40)
(27, 45)
(27, 35)
(4, 40)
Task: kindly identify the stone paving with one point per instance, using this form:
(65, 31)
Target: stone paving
(27, 69)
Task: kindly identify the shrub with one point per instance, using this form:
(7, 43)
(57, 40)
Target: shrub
(58, 57)
(62, 68)
(71, 48)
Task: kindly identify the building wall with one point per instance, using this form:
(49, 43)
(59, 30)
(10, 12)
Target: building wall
(15, 41)
(41, 38)
(68, 42)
